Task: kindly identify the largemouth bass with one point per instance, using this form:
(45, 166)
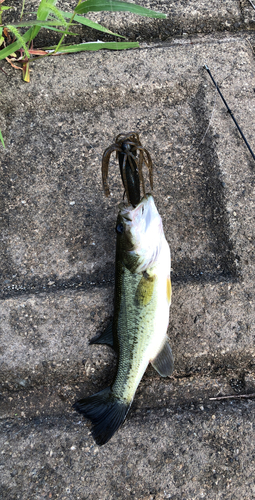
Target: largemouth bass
(141, 314)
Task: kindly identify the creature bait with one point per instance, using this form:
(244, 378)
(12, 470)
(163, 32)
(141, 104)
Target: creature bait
(131, 155)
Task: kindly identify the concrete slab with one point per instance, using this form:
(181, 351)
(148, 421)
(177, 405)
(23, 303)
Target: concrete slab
(189, 451)
(248, 12)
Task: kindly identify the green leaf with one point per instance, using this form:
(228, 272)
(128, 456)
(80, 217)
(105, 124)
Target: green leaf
(23, 24)
(90, 24)
(80, 47)
(19, 38)
(58, 14)
(60, 31)
(42, 15)
(2, 139)
(44, 8)
(15, 45)
(115, 5)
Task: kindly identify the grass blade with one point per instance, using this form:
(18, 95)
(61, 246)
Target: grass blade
(15, 45)
(58, 14)
(2, 139)
(90, 24)
(80, 47)
(37, 22)
(19, 38)
(25, 72)
(42, 14)
(116, 6)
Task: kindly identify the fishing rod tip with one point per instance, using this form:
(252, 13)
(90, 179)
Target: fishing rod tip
(205, 66)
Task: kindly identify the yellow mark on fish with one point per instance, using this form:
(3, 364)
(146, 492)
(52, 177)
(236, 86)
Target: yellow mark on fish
(145, 289)
(168, 289)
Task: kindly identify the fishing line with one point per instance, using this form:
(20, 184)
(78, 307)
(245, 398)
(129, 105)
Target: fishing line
(229, 111)
(210, 120)
(252, 4)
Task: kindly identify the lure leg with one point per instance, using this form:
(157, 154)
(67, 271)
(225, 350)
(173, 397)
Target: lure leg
(130, 177)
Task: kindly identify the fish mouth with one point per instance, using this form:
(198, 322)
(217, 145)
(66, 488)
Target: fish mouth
(128, 212)
(143, 233)
(127, 217)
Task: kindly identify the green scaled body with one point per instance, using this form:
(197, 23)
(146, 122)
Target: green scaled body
(141, 313)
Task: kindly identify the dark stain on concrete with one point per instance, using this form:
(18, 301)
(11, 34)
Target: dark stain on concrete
(213, 197)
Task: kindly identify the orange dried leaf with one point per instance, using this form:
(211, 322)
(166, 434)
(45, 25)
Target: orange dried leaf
(13, 65)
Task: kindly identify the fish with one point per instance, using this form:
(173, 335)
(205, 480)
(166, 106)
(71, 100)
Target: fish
(138, 331)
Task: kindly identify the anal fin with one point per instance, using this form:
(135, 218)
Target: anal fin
(164, 361)
(105, 338)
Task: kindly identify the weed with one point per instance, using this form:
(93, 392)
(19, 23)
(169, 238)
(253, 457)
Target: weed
(19, 49)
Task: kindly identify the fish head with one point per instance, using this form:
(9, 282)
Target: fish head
(139, 234)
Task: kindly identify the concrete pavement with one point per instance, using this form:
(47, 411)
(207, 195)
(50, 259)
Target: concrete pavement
(57, 261)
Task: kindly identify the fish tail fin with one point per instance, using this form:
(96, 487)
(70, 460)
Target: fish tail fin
(106, 413)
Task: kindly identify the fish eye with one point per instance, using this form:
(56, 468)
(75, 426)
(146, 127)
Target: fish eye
(120, 228)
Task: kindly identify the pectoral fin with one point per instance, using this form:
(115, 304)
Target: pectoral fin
(164, 361)
(105, 338)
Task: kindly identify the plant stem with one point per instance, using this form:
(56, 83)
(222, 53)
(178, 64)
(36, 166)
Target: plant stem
(67, 28)
(22, 9)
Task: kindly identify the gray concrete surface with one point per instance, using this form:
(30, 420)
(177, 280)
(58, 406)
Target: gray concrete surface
(181, 452)
(57, 260)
